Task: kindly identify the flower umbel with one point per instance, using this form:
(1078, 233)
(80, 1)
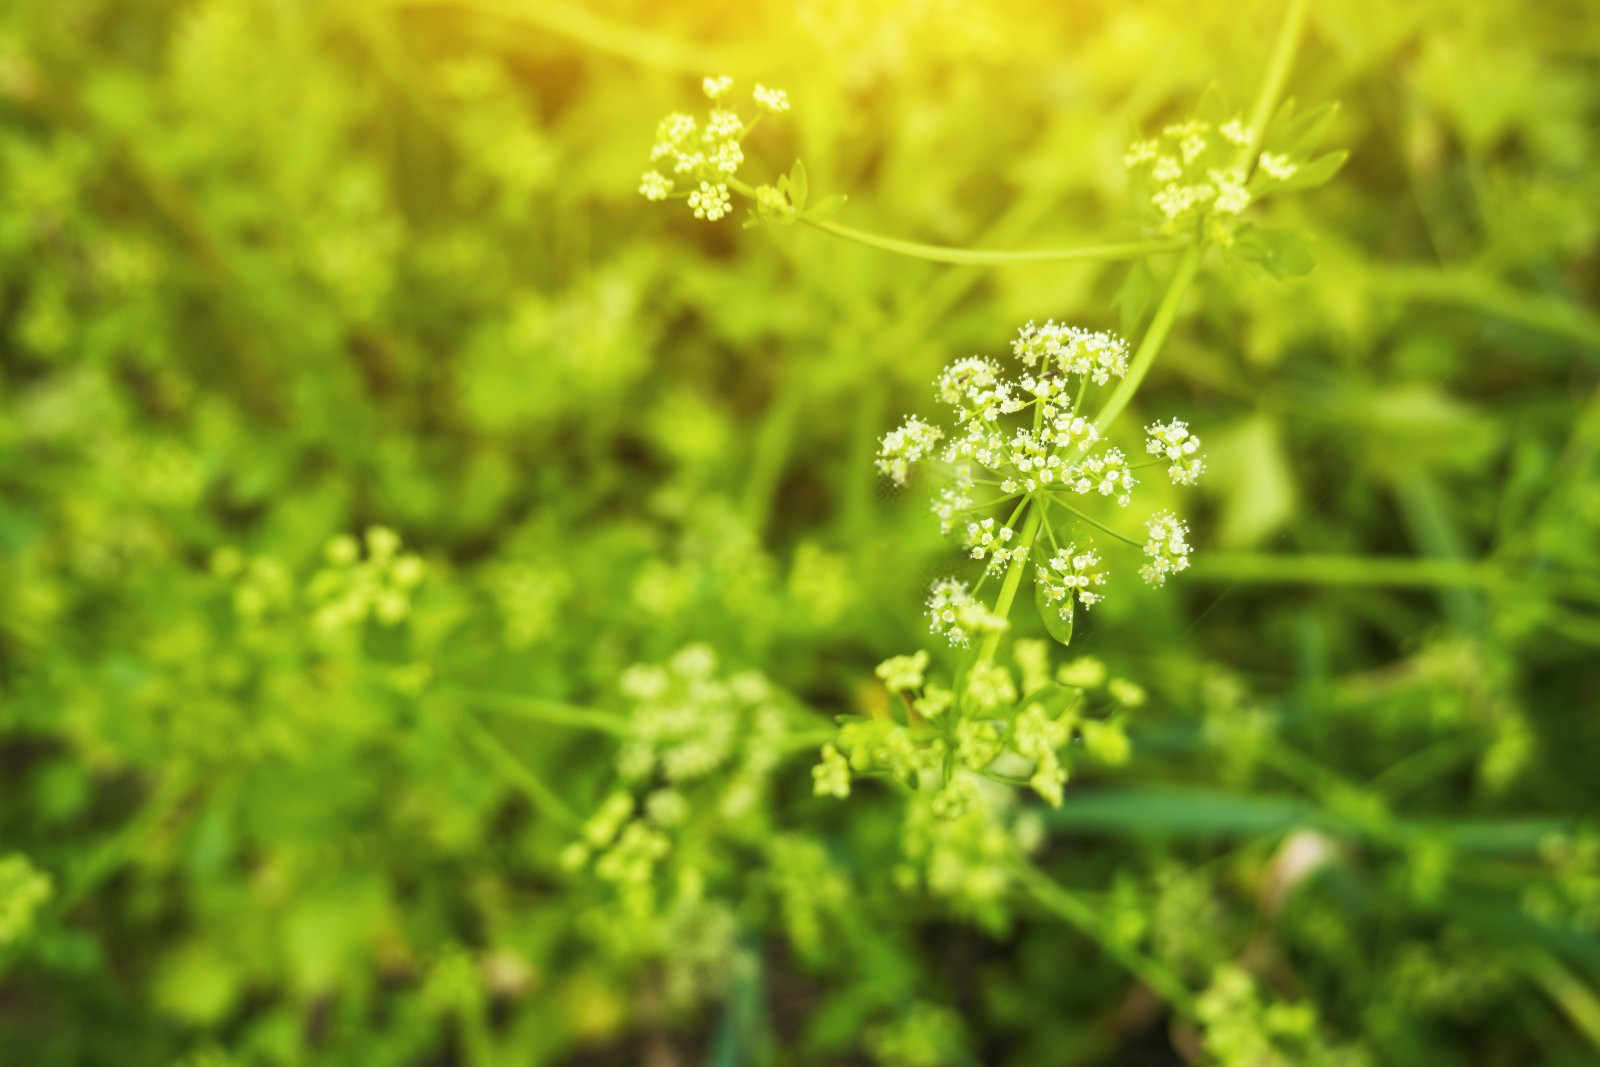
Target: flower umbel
(1167, 548)
(704, 156)
(1023, 442)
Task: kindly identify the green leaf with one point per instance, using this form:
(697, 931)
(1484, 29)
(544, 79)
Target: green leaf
(1314, 172)
(828, 205)
(797, 185)
(1297, 134)
(1281, 253)
(1054, 624)
(1304, 133)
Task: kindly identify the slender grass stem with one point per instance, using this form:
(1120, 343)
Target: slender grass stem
(1575, 998)
(518, 773)
(1086, 919)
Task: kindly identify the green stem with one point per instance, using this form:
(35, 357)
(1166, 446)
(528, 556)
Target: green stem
(1081, 915)
(1260, 114)
(1154, 338)
(1575, 998)
(544, 798)
(998, 256)
(1294, 22)
(1008, 589)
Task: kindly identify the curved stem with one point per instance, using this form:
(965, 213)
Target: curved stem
(1008, 589)
(998, 256)
(1154, 338)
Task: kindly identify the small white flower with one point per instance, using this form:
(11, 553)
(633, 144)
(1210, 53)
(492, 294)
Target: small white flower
(1173, 441)
(1233, 131)
(957, 615)
(715, 87)
(1232, 196)
(671, 133)
(721, 124)
(1167, 548)
(904, 445)
(1139, 152)
(774, 100)
(727, 156)
(1278, 166)
(1071, 575)
(655, 185)
(710, 202)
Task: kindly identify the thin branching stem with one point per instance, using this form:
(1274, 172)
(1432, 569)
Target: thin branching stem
(971, 257)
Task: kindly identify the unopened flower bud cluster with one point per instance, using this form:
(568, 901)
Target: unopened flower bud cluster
(1003, 722)
(690, 728)
(351, 587)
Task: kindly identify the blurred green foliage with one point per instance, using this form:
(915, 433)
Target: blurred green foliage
(363, 433)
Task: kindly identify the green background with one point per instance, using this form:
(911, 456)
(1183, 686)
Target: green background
(275, 272)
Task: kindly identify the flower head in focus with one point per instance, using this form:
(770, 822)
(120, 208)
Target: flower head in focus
(1021, 439)
(698, 160)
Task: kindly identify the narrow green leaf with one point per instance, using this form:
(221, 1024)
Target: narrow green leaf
(828, 205)
(1281, 253)
(1050, 615)
(797, 185)
(1314, 172)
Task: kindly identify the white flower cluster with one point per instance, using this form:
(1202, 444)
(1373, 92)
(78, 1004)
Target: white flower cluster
(1052, 452)
(1193, 171)
(1072, 351)
(710, 202)
(1025, 436)
(775, 101)
(1071, 574)
(1166, 547)
(985, 541)
(1173, 441)
(902, 447)
(705, 154)
(956, 614)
